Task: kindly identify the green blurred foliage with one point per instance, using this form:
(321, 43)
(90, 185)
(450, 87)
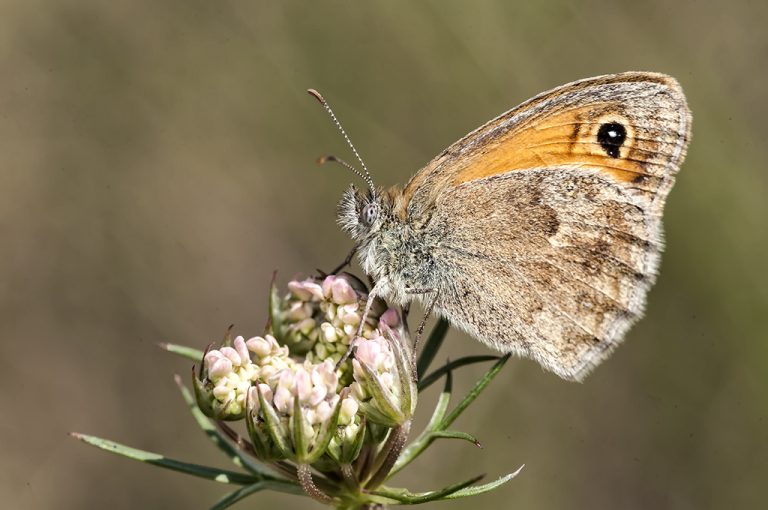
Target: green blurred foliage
(158, 164)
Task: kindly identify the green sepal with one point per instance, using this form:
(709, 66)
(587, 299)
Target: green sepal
(382, 409)
(208, 403)
(348, 455)
(275, 319)
(203, 395)
(261, 439)
(300, 446)
(274, 426)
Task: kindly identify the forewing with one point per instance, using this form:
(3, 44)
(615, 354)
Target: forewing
(562, 127)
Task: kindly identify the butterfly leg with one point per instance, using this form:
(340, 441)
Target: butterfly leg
(347, 261)
(423, 323)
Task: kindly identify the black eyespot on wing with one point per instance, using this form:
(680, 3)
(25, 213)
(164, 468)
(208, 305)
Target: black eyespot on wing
(611, 137)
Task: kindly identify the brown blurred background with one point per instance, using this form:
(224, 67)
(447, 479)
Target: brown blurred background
(157, 163)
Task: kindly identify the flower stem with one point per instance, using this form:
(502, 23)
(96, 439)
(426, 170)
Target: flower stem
(395, 445)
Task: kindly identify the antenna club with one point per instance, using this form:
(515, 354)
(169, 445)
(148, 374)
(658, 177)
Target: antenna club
(317, 95)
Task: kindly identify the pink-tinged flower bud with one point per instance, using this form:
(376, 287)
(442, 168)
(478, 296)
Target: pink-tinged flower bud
(283, 400)
(390, 318)
(342, 292)
(317, 395)
(241, 349)
(298, 290)
(302, 384)
(386, 388)
(232, 355)
(298, 311)
(259, 346)
(211, 357)
(306, 290)
(323, 412)
(221, 367)
(327, 285)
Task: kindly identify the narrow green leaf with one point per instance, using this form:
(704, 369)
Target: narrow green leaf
(427, 381)
(487, 487)
(474, 392)
(236, 455)
(207, 472)
(418, 445)
(429, 351)
(195, 355)
(442, 403)
(456, 434)
(406, 497)
(233, 497)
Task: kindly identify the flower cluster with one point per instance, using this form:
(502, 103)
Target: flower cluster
(296, 407)
(232, 370)
(319, 319)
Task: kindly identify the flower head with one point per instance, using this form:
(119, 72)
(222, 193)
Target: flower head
(319, 318)
(229, 372)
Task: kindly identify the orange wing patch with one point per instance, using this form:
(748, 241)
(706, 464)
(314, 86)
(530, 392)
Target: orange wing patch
(596, 138)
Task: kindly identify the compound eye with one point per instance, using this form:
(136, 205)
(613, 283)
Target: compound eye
(370, 213)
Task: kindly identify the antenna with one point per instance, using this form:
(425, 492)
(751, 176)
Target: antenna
(365, 174)
(325, 159)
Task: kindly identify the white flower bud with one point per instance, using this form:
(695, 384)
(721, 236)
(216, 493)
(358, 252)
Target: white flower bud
(259, 346)
(329, 332)
(306, 325)
(349, 407)
(323, 412)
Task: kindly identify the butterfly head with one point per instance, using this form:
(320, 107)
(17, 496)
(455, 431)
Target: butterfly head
(360, 213)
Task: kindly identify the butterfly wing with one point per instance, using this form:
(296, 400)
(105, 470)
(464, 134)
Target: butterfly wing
(547, 220)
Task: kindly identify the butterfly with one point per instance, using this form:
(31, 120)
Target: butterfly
(540, 232)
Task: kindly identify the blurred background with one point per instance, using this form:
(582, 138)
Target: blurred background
(157, 163)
